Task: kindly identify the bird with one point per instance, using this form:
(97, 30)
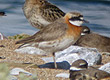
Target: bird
(86, 30)
(40, 13)
(58, 35)
(80, 70)
(2, 14)
(95, 40)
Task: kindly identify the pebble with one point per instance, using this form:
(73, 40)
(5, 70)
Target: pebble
(30, 50)
(105, 67)
(63, 75)
(17, 71)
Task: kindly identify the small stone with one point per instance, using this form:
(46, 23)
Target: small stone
(63, 75)
(105, 67)
(30, 50)
(17, 71)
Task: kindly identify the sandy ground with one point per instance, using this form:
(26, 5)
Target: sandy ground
(13, 59)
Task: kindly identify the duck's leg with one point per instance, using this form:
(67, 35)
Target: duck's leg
(55, 64)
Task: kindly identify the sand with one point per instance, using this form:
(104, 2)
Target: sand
(13, 60)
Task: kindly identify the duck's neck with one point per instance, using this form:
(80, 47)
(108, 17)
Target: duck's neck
(73, 29)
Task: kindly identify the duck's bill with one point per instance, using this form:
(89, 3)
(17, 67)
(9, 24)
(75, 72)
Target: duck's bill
(86, 21)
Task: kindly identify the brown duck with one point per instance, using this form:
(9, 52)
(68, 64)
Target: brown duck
(80, 71)
(94, 40)
(41, 12)
(57, 36)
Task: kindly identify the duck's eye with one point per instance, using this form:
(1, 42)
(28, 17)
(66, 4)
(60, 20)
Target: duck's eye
(74, 18)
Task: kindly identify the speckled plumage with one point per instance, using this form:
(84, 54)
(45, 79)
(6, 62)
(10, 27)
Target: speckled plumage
(41, 13)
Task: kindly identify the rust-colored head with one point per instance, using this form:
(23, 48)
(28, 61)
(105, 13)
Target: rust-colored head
(73, 14)
(74, 18)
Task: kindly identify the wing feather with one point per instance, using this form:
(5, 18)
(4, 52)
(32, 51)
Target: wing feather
(48, 33)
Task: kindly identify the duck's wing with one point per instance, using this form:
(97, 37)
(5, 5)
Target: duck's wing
(51, 12)
(48, 33)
